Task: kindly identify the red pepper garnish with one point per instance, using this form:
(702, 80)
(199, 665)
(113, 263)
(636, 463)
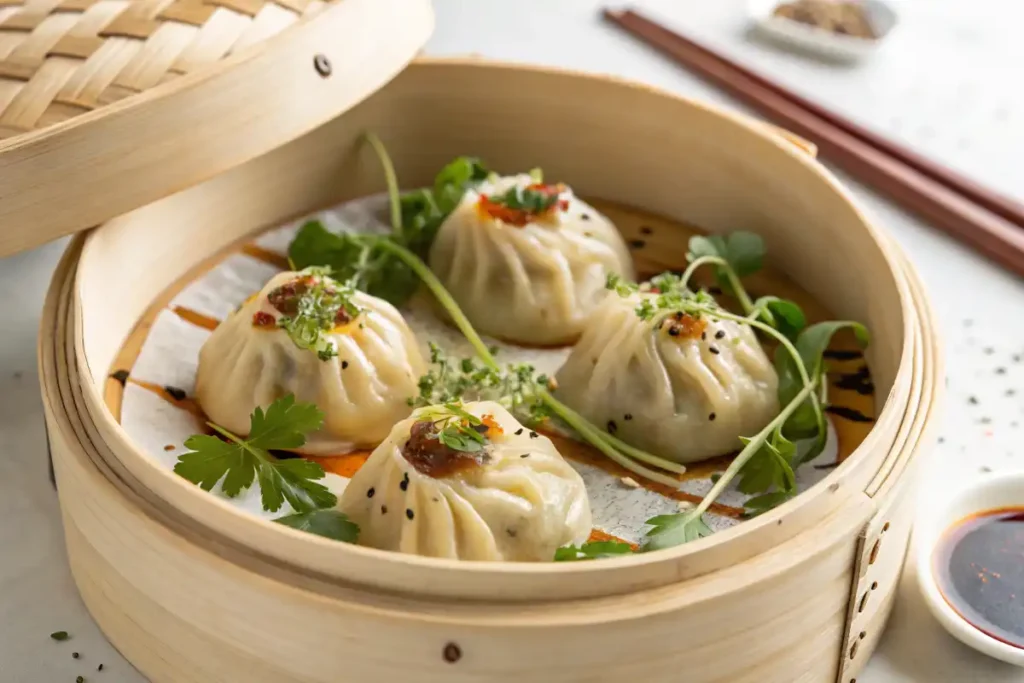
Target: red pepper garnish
(263, 320)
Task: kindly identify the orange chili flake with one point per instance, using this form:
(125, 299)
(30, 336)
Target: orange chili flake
(685, 326)
(514, 208)
(263, 320)
(493, 428)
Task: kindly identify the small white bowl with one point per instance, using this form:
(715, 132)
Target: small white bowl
(880, 15)
(988, 493)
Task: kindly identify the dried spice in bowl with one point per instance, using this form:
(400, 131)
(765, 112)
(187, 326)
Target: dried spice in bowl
(837, 16)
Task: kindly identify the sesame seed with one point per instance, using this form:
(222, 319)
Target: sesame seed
(646, 230)
(344, 364)
(627, 417)
(630, 482)
(720, 334)
(703, 336)
(409, 513)
(369, 492)
(973, 400)
(684, 505)
(584, 216)
(383, 509)
(637, 244)
(404, 485)
(533, 435)
(519, 431)
(673, 331)
(714, 350)
(99, 668)
(1000, 371)
(612, 427)
(711, 417)
(75, 655)
(525, 455)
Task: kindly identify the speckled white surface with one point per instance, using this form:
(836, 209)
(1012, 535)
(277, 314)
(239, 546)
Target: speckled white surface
(940, 83)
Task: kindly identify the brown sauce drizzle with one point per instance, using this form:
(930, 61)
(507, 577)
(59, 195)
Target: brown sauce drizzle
(267, 256)
(583, 453)
(596, 535)
(172, 395)
(979, 567)
(196, 318)
(425, 452)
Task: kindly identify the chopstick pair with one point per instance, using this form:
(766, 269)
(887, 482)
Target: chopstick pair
(991, 223)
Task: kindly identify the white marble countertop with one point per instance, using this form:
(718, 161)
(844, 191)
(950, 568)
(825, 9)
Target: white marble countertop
(936, 84)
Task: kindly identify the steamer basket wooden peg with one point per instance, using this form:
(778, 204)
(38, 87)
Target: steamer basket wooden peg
(192, 586)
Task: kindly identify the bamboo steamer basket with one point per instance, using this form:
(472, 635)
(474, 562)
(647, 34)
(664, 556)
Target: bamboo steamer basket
(189, 589)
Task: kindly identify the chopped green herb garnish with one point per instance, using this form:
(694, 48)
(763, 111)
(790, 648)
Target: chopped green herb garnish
(238, 462)
(60, 635)
(456, 427)
(327, 523)
(311, 306)
(592, 550)
(531, 200)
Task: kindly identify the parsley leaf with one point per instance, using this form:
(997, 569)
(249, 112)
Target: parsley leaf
(673, 530)
(240, 461)
(766, 501)
(592, 550)
(771, 466)
(327, 523)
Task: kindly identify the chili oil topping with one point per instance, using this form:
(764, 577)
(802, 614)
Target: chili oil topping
(520, 206)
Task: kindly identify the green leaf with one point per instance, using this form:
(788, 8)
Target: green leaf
(238, 462)
(676, 529)
(765, 502)
(327, 523)
(813, 342)
(454, 179)
(770, 467)
(707, 245)
(787, 317)
(592, 550)
(745, 252)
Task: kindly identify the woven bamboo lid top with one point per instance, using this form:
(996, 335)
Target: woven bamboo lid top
(106, 105)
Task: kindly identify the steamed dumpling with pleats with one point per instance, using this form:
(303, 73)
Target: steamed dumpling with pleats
(682, 387)
(305, 334)
(527, 262)
(468, 482)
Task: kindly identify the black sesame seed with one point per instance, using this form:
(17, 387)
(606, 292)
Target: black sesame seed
(369, 492)
(703, 336)
(99, 668)
(720, 334)
(383, 509)
(176, 393)
(519, 431)
(80, 679)
(673, 331)
(533, 435)
(627, 417)
(612, 427)
(973, 400)
(404, 485)
(646, 230)
(525, 455)
(584, 216)
(75, 655)
(714, 350)
(344, 364)
(637, 244)
(409, 513)
(711, 417)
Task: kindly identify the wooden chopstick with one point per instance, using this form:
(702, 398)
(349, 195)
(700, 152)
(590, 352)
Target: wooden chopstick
(951, 206)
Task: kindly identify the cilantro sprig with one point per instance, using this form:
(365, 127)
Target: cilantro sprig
(331, 524)
(592, 550)
(237, 462)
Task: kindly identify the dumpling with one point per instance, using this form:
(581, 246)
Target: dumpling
(684, 388)
(527, 262)
(513, 499)
(361, 366)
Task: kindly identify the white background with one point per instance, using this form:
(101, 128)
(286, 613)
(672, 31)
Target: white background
(948, 81)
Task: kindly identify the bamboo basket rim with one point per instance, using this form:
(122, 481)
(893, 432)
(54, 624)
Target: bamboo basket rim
(893, 409)
(643, 604)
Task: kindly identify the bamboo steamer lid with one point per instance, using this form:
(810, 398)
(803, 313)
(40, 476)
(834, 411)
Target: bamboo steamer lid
(107, 105)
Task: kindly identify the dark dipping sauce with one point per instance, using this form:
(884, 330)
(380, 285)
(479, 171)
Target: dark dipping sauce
(979, 565)
(429, 456)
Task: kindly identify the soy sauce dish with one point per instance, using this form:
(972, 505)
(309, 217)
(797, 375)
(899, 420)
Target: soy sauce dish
(971, 566)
